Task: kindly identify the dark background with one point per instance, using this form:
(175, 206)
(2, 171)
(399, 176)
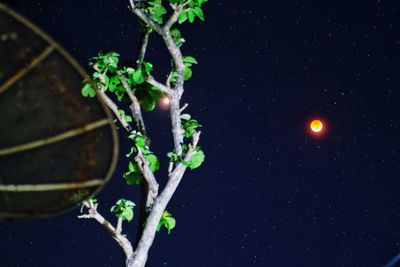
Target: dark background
(269, 194)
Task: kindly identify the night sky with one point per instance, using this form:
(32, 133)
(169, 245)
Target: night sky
(269, 193)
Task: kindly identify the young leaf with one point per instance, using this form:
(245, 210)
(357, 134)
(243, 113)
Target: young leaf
(123, 209)
(126, 117)
(196, 160)
(88, 91)
(167, 221)
(132, 178)
(154, 163)
(189, 59)
(187, 73)
(114, 82)
(185, 117)
(199, 13)
(138, 76)
(182, 17)
(191, 15)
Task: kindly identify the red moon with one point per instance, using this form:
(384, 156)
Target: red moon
(317, 127)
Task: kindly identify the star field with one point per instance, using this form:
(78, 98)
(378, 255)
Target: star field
(269, 194)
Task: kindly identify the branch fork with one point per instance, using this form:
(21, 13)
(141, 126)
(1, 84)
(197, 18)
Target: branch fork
(156, 203)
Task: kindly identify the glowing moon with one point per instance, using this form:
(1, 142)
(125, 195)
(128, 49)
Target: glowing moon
(164, 102)
(316, 126)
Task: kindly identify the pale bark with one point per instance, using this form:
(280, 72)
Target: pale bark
(155, 203)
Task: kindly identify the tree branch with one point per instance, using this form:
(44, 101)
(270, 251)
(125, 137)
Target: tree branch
(113, 108)
(134, 106)
(146, 19)
(148, 176)
(121, 239)
(159, 206)
(160, 86)
(143, 46)
(174, 17)
(119, 225)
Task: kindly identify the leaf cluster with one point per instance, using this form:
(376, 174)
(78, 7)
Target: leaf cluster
(189, 125)
(167, 221)
(110, 77)
(192, 11)
(195, 160)
(123, 209)
(134, 174)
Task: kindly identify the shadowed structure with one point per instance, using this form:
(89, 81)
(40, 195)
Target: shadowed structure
(56, 147)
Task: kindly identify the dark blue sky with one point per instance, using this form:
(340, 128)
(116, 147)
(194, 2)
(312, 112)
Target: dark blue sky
(268, 194)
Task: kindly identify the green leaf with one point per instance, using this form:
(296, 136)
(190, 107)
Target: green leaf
(154, 163)
(167, 221)
(182, 17)
(148, 104)
(88, 91)
(187, 73)
(128, 215)
(196, 160)
(126, 117)
(132, 178)
(185, 117)
(114, 82)
(171, 223)
(199, 13)
(133, 167)
(189, 59)
(176, 34)
(123, 209)
(148, 67)
(140, 141)
(191, 16)
(138, 76)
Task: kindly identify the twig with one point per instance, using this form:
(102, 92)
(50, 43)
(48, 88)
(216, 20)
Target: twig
(162, 87)
(134, 106)
(177, 11)
(121, 239)
(119, 225)
(184, 107)
(114, 108)
(143, 46)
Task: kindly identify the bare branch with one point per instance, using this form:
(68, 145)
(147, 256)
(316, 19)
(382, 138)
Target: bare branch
(119, 225)
(113, 108)
(174, 17)
(143, 45)
(121, 239)
(134, 106)
(169, 78)
(177, 132)
(184, 107)
(160, 86)
(170, 167)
